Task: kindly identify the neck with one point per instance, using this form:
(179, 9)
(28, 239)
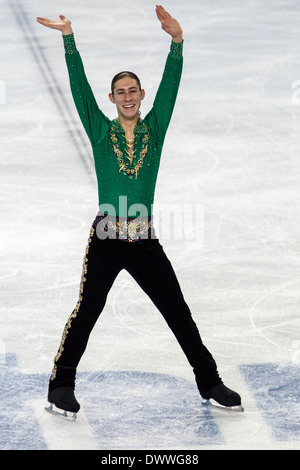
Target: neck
(129, 125)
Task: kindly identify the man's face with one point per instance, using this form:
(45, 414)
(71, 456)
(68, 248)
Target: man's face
(127, 96)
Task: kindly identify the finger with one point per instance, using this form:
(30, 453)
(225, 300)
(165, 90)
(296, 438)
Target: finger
(50, 24)
(160, 12)
(163, 12)
(43, 19)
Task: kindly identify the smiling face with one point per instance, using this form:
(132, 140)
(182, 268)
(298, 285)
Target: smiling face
(127, 96)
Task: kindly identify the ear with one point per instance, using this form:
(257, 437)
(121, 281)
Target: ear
(143, 94)
(111, 97)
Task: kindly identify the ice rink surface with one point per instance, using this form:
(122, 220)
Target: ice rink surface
(232, 151)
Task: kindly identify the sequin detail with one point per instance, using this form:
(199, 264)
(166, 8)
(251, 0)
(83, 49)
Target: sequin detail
(69, 44)
(125, 229)
(128, 168)
(176, 50)
(75, 311)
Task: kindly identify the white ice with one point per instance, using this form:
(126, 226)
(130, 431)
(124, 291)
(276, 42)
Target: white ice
(232, 149)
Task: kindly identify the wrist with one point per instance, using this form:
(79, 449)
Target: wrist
(177, 39)
(67, 31)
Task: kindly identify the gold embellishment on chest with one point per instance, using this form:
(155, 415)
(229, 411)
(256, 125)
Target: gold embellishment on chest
(129, 168)
(130, 149)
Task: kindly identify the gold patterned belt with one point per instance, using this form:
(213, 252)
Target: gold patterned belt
(122, 228)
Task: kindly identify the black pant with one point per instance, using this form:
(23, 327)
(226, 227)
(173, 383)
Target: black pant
(148, 264)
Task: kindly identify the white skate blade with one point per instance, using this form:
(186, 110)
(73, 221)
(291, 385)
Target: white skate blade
(215, 404)
(68, 415)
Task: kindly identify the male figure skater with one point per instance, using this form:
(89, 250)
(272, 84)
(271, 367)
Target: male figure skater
(127, 153)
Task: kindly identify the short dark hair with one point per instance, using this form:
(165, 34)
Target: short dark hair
(121, 75)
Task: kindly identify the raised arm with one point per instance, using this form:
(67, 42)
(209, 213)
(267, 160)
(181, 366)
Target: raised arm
(160, 115)
(92, 118)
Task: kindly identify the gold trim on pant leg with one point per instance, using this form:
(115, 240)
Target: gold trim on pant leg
(75, 311)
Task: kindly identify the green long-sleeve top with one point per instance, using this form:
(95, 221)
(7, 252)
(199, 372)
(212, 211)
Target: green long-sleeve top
(123, 184)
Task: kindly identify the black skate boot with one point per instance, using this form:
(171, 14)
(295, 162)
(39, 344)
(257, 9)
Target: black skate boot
(61, 393)
(63, 403)
(222, 396)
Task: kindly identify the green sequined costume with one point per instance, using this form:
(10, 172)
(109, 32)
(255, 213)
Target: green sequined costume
(115, 174)
(145, 260)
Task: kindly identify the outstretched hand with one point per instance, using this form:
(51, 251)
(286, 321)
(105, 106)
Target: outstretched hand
(169, 24)
(63, 25)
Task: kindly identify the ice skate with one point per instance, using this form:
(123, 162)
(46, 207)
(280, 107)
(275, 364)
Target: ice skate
(222, 397)
(63, 403)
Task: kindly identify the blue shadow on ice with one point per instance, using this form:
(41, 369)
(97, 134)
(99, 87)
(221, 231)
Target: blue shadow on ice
(125, 410)
(145, 410)
(276, 388)
(19, 428)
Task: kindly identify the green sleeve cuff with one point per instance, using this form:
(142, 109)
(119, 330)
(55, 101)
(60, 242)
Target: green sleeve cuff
(176, 50)
(69, 44)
